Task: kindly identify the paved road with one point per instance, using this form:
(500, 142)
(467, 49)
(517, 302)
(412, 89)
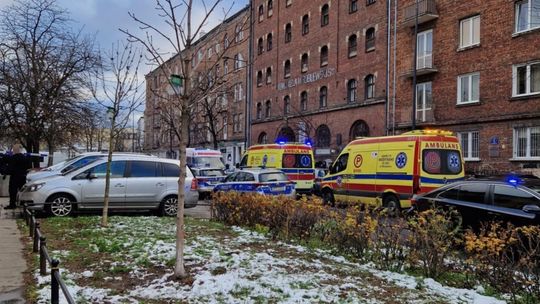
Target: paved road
(12, 263)
(201, 211)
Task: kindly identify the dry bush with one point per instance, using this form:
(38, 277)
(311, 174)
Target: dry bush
(432, 239)
(390, 242)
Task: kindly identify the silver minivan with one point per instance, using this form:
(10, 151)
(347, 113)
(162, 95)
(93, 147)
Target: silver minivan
(136, 183)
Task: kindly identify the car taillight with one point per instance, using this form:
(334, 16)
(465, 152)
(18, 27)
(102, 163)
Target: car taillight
(194, 184)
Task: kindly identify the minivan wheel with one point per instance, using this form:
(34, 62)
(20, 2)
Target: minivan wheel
(169, 206)
(61, 205)
(392, 205)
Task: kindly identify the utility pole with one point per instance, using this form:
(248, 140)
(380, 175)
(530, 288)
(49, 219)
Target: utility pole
(414, 65)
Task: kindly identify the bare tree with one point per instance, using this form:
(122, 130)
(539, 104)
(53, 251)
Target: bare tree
(117, 88)
(41, 70)
(178, 15)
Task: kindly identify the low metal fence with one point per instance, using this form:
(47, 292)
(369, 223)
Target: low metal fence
(40, 245)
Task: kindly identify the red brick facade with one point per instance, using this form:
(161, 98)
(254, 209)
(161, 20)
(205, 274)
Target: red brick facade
(338, 114)
(493, 114)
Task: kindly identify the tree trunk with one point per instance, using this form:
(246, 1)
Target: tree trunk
(179, 270)
(50, 159)
(105, 214)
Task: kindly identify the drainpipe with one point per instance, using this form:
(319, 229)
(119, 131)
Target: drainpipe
(249, 80)
(387, 104)
(414, 65)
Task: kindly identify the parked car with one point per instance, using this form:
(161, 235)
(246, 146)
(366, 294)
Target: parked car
(512, 200)
(149, 183)
(74, 163)
(207, 179)
(262, 181)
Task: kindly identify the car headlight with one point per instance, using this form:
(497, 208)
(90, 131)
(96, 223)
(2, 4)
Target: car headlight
(35, 187)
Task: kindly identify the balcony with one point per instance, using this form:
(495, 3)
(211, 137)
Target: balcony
(424, 65)
(427, 11)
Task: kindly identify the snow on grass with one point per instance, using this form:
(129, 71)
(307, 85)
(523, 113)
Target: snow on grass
(231, 265)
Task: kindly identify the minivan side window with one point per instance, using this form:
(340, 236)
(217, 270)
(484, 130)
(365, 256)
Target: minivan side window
(341, 163)
(170, 170)
(117, 169)
(143, 169)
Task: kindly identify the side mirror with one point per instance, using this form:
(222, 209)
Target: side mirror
(531, 209)
(91, 176)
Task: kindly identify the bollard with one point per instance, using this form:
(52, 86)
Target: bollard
(54, 282)
(32, 223)
(42, 257)
(36, 239)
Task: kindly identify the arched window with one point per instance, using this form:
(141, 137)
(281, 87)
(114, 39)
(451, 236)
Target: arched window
(225, 66)
(304, 63)
(238, 61)
(303, 101)
(239, 33)
(259, 110)
(286, 105)
(263, 138)
(352, 45)
(370, 39)
(287, 69)
(322, 136)
(287, 134)
(325, 15)
(305, 24)
(270, 8)
(267, 109)
(369, 84)
(261, 13)
(324, 55)
(269, 42)
(358, 129)
(225, 42)
(323, 97)
(288, 33)
(259, 78)
(268, 75)
(260, 46)
(351, 90)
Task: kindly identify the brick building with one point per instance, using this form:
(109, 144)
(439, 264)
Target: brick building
(319, 70)
(478, 74)
(218, 75)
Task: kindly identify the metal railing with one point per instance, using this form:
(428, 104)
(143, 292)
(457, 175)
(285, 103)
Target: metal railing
(425, 7)
(40, 245)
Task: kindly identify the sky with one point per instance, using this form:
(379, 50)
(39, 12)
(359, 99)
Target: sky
(104, 18)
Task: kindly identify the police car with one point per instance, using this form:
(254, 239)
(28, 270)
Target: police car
(258, 180)
(207, 179)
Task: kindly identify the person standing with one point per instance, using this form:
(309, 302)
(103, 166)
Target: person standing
(17, 168)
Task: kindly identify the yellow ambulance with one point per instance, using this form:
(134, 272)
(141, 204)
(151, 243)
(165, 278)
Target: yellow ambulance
(294, 159)
(389, 170)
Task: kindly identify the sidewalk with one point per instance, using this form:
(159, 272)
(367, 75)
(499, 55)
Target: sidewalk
(12, 263)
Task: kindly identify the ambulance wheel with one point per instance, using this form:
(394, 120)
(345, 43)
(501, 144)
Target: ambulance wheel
(328, 198)
(392, 205)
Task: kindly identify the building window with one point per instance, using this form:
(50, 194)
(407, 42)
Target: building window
(225, 129)
(288, 33)
(268, 75)
(225, 67)
(353, 6)
(470, 145)
(352, 45)
(217, 48)
(259, 78)
(287, 69)
(269, 42)
(323, 97)
(267, 109)
(325, 15)
(358, 129)
(288, 3)
(322, 136)
(527, 15)
(238, 61)
(260, 46)
(263, 138)
(199, 55)
(423, 100)
(210, 53)
(469, 32)
(526, 79)
(324, 56)
(239, 33)
(351, 90)
(270, 8)
(304, 63)
(225, 42)
(259, 110)
(468, 88)
(369, 84)
(370, 2)
(261, 13)
(303, 101)
(286, 105)
(305, 24)
(527, 143)
(238, 92)
(425, 50)
(370, 39)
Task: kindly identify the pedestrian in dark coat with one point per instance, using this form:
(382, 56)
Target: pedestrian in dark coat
(17, 168)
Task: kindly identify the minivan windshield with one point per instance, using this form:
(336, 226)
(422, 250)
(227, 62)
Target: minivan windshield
(79, 164)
